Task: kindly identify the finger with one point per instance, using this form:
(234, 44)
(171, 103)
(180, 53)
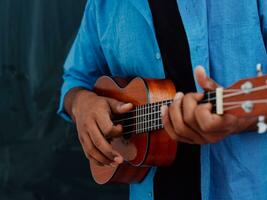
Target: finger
(190, 103)
(169, 127)
(203, 80)
(102, 145)
(95, 162)
(209, 122)
(119, 107)
(91, 152)
(107, 127)
(180, 127)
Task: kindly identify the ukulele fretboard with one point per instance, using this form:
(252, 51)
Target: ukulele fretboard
(147, 118)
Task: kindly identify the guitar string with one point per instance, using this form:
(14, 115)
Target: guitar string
(170, 100)
(237, 92)
(149, 128)
(242, 92)
(154, 120)
(139, 131)
(149, 106)
(164, 102)
(158, 112)
(144, 122)
(232, 107)
(241, 102)
(146, 109)
(236, 104)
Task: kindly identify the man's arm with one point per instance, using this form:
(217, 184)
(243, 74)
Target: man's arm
(85, 60)
(91, 113)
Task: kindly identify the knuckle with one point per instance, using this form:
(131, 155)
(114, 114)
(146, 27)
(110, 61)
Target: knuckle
(206, 127)
(98, 163)
(177, 129)
(188, 118)
(107, 130)
(90, 150)
(86, 123)
(188, 96)
(101, 159)
(98, 143)
(104, 104)
(174, 136)
(88, 154)
(102, 101)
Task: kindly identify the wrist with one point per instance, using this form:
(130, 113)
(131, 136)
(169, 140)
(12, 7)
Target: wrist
(73, 99)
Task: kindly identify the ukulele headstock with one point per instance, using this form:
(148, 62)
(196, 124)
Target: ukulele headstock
(245, 98)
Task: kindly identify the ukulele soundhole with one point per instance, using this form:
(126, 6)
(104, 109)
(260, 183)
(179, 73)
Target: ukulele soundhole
(126, 137)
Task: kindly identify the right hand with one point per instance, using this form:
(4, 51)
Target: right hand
(92, 115)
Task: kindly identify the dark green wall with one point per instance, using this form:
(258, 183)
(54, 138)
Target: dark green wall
(40, 157)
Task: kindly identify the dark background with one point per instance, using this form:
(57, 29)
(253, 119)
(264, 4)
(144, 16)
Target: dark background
(40, 157)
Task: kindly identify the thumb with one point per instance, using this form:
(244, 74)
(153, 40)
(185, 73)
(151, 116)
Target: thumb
(203, 80)
(119, 107)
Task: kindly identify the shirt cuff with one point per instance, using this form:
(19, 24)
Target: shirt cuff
(66, 87)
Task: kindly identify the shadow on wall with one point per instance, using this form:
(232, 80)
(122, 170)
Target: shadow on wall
(40, 157)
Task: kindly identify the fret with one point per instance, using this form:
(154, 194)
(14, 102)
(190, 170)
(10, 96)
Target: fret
(137, 120)
(159, 109)
(143, 119)
(159, 118)
(154, 115)
(147, 118)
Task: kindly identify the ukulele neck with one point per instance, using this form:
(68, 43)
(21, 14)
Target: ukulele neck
(147, 118)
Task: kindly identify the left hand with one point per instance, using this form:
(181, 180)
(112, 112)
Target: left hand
(187, 121)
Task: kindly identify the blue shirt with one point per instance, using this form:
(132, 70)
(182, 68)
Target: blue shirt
(227, 37)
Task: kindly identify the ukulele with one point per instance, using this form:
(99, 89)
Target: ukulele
(144, 143)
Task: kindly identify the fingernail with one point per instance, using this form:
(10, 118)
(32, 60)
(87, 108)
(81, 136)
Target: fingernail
(202, 69)
(125, 106)
(178, 96)
(118, 160)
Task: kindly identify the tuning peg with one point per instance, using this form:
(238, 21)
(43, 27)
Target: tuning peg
(259, 69)
(262, 126)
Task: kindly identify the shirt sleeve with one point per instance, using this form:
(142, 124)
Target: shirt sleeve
(85, 61)
(263, 17)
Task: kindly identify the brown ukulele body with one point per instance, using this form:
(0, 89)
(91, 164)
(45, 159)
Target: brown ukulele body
(143, 150)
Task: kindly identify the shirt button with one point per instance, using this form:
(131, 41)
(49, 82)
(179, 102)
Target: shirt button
(158, 56)
(150, 194)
